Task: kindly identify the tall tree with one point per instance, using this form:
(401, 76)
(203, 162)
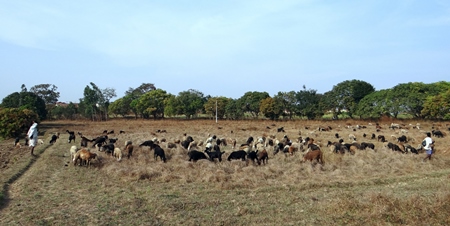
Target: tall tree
(347, 94)
(250, 102)
(26, 100)
(233, 111)
(152, 103)
(218, 103)
(47, 92)
(190, 102)
(270, 109)
(308, 103)
(285, 103)
(437, 107)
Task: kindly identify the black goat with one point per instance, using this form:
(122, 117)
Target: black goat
(215, 154)
(196, 155)
(241, 154)
(54, 138)
(71, 136)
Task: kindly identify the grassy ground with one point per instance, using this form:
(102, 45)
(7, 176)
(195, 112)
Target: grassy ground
(372, 187)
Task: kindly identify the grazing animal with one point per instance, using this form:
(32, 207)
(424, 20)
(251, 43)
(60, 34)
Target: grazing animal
(314, 155)
(215, 154)
(54, 138)
(381, 138)
(373, 136)
(100, 140)
(241, 154)
(16, 142)
(196, 155)
(281, 129)
(262, 157)
(117, 154)
(120, 132)
(108, 148)
(437, 133)
(84, 155)
(84, 141)
(73, 150)
(336, 135)
(112, 140)
(365, 145)
(409, 148)
(402, 138)
(71, 136)
(252, 156)
(129, 148)
(185, 143)
(158, 151)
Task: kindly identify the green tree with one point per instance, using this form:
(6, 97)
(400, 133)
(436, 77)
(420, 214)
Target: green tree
(377, 104)
(26, 100)
(89, 103)
(437, 107)
(270, 109)
(210, 106)
(152, 103)
(347, 94)
(308, 103)
(190, 102)
(119, 107)
(131, 96)
(285, 104)
(233, 111)
(250, 102)
(47, 92)
(171, 106)
(411, 97)
(15, 121)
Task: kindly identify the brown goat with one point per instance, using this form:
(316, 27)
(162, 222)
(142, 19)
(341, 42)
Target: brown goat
(128, 150)
(263, 157)
(314, 155)
(84, 155)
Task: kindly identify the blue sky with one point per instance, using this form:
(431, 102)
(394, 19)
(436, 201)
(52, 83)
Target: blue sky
(221, 48)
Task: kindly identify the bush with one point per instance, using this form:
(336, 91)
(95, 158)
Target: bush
(14, 121)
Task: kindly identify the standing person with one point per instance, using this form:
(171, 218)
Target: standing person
(428, 144)
(33, 136)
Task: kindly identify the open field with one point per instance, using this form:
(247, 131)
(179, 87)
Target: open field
(372, 187)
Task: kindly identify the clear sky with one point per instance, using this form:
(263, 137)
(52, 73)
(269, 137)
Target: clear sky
(221, 48)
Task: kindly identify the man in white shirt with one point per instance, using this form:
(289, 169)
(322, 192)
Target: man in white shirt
(33, 136)
(429, 144)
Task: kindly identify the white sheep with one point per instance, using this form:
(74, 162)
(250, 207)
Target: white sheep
(73, 151)
(117, 154)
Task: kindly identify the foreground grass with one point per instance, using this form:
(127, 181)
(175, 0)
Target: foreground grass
(368, 188)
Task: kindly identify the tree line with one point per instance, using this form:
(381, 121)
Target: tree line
(350, 98)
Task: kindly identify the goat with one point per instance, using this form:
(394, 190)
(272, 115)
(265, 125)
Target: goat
(262, 157)
(314, 155)
(129, 148)
(84, 141)
(71, 136)
(73, 150)
(100, 141)
(216, 154)
(158, 151)
(84, 155)
(54, 138)
(196, 155)
(117, 154)
(241, 154)
(16, 143)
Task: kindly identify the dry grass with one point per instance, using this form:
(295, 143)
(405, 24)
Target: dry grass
(373, 187)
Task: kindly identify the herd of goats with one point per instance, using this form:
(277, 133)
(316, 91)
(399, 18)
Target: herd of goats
(253, 150)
